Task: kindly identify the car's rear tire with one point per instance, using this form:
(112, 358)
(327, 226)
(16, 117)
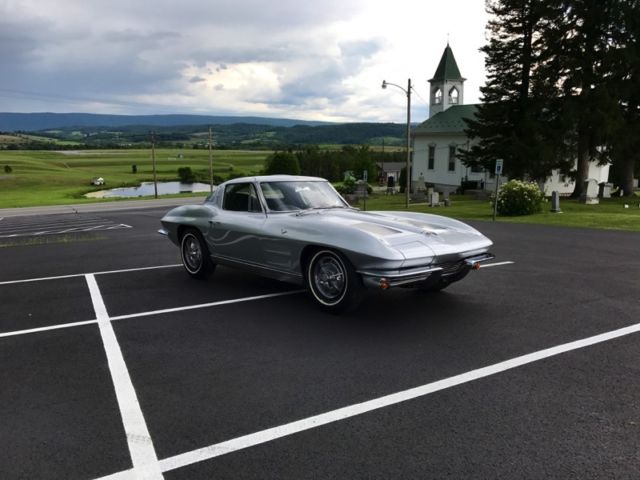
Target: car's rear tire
(332, 281)
(195, 254)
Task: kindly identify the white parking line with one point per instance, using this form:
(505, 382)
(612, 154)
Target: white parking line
(497, 264)
(44, 329)
(143, 453)
(206, 305)
(140, 269)
(268, 435)
(149, 313)
(73, 275)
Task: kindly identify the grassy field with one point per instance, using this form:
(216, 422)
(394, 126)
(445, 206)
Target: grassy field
(54, 178)
(608, 214)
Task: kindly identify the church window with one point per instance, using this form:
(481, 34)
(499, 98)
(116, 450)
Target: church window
(453, 96)
(432, 157)
(452, 158)
(437, 96)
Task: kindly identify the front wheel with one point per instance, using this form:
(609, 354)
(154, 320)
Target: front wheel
(195, 254)
(333, 282)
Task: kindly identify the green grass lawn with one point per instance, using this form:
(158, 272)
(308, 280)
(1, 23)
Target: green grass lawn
(55, 178)
(608, 214)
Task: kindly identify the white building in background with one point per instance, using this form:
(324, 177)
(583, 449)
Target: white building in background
(437, 140)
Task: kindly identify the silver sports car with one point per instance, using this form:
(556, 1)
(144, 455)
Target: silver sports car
(300, 230)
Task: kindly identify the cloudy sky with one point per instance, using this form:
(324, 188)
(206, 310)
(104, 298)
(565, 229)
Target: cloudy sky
(312, 60)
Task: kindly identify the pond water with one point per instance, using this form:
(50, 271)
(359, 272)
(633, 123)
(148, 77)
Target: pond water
(146, 189)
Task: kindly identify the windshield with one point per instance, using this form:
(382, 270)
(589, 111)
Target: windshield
(300, 195)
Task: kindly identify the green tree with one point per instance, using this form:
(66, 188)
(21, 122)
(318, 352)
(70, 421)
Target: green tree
(282, 163)
(186, 175)
(514, 121)
(581, 57)
(625, 146)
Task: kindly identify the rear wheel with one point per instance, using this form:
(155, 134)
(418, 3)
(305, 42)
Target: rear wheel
(333, 282)
(195, 254)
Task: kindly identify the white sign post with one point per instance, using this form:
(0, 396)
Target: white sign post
(498, 172)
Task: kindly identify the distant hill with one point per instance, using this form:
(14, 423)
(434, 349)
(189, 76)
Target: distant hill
(32, 122)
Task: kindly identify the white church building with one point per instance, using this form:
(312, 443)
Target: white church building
(437, 140)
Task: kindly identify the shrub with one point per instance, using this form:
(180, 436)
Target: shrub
(134, 169)
(186, 175)
(8, 169)
(520, 198)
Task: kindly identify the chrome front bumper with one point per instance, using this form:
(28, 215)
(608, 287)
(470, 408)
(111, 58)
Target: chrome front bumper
(396, 278)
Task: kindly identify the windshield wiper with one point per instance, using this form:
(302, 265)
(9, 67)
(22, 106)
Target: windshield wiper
(315, 209)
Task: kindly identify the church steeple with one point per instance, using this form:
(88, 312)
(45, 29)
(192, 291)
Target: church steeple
(447, 84)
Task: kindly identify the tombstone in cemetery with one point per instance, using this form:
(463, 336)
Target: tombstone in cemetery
(604, 190)
(555, 202)
(590, 195)
(434, 199)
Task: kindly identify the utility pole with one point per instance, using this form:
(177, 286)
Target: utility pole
(153, 161)
(408, 167)
(210, 161)
(408, 187)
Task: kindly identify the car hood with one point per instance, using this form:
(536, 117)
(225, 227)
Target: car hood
(406, 231)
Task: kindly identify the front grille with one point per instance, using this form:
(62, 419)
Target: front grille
(452, 267)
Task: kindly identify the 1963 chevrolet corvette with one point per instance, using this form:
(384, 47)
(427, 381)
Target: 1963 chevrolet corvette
(300, 230)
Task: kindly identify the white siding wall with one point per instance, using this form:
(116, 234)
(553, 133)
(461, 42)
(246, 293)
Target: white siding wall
(441, 176)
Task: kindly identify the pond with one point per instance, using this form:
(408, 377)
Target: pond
(146, 189)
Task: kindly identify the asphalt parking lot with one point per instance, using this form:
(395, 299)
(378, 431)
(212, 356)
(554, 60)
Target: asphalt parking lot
(116, 364)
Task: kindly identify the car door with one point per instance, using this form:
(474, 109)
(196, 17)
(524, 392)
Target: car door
(236, 231)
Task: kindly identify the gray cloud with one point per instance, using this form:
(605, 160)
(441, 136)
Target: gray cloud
(114, 53)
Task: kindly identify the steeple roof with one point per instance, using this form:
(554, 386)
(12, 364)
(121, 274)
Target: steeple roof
(447, 68)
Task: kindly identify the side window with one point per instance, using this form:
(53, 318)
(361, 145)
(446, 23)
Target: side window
(432, 157)
(241, 197)
(452, 158)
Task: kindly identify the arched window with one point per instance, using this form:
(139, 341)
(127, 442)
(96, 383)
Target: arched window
(437, 96)
(453, 96)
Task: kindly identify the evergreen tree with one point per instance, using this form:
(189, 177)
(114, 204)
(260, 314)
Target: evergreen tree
(587, 104)
(284, 163)
(625, 147)
(514, 122)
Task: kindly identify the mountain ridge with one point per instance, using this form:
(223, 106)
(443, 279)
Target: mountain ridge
(38, 121)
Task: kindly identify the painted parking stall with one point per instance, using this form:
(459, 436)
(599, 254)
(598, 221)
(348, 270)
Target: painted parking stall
(19, 227)
(140, 372)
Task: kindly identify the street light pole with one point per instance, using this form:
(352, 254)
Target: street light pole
(408, 167)
(210, 162)
(153, 161)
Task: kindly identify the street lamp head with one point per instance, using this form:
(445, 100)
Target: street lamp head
(384, 84)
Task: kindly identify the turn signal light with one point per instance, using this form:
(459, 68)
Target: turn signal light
(384, 283)
(475, 266)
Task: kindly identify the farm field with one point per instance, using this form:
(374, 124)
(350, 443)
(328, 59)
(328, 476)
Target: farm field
(54, 178)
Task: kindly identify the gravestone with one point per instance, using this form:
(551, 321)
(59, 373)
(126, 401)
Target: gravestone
(434, 199)
(590, 193)
(555, 202)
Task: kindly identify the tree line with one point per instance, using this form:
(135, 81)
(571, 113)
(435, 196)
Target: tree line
(313, 161)
(563, 86)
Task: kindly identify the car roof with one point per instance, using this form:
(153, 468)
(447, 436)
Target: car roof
(276, 178)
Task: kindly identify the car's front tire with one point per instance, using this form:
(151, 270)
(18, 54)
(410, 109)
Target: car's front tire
(195, 254)
(332, 281)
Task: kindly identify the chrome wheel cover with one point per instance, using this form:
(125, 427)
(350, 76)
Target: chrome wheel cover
(191, 253)
(329, 278)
